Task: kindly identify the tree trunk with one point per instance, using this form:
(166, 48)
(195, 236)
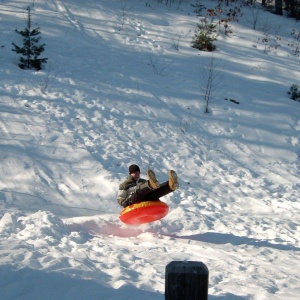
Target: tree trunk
(278, 7)
(292, 8)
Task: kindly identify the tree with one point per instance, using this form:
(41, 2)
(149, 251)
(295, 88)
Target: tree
(211, 77)
(204, 37)
(30, 50)
(278, 7)
(292, 6)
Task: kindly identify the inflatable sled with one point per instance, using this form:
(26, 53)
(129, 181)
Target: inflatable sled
(144, 212)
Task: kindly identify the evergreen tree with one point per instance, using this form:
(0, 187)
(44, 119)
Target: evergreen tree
(30, 50)
(204, 37)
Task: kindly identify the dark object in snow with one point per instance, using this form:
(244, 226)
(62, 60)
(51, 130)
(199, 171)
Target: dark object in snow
(186, 280)
(30, 50)
(294, 92)
(233, 101)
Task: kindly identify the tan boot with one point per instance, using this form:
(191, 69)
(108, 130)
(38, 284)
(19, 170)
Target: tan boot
(153, 182)
(173, 180)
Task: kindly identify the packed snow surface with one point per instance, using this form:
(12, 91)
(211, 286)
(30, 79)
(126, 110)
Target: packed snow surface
(123, 85)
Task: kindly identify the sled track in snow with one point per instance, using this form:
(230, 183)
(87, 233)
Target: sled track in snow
(69, 16)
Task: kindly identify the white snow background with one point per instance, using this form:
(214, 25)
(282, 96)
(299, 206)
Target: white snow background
(123, 85)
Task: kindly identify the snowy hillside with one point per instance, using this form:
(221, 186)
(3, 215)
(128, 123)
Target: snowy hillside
(123, 85)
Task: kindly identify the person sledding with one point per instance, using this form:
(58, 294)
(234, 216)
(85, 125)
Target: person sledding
(136, 189)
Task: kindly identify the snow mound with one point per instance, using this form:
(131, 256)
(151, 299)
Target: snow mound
(40, 225)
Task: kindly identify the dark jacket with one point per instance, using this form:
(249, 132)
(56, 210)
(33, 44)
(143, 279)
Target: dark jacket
(126, 189)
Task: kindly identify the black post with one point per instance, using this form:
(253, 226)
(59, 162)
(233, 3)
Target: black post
(186, 280)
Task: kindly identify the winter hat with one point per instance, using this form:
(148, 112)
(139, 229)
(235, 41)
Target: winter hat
(134, 168)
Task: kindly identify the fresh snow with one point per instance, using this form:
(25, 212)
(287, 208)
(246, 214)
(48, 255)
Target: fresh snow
(116, 91)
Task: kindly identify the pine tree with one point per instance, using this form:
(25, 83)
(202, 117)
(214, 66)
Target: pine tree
(30, 50)
(204, 37)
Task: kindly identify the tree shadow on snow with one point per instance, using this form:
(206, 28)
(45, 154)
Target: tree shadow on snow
(28, 284)
(227, 238)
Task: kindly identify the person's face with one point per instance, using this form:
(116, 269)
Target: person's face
(135, 175)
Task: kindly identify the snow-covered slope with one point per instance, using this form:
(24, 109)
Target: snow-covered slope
(123, 85)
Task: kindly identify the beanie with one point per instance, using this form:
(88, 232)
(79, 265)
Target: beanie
(134, 168)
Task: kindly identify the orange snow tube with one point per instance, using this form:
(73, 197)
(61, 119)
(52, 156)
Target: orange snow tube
(144, 212)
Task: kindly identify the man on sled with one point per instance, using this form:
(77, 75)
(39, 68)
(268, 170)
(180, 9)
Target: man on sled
(136, 189)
